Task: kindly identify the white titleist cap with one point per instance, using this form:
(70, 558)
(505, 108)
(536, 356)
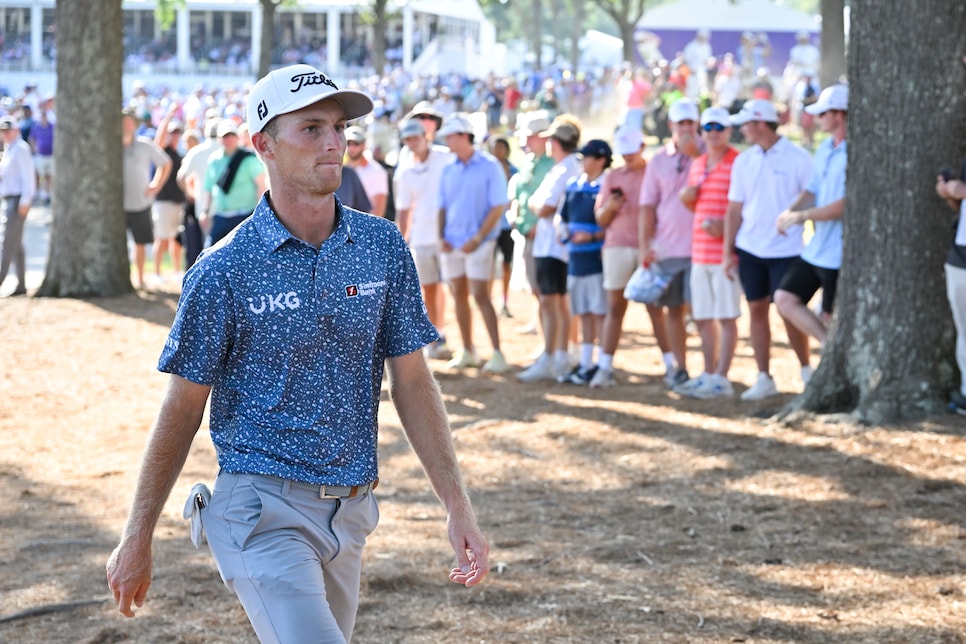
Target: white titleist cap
(291, 88)
(835, 97)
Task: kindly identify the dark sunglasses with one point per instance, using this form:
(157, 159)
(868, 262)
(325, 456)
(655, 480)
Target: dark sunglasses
(713, 127)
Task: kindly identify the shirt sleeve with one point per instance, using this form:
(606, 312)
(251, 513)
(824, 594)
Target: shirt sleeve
(651, 188)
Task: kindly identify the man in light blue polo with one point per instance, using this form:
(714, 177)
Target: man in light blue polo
(822, 202)
(472, 200)
(287, 325)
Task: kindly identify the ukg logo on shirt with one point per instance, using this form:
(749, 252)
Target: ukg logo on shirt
(272, 303)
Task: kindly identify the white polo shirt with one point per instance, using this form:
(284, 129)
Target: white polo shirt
(766, 184)
(417, 189)
(551, 193)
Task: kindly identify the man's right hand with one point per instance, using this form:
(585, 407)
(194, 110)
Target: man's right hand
(730, 265)
(129, 575)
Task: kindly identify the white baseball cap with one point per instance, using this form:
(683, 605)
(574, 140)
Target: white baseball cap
(683, 109)
(411, 127)
(835, 97)
(716, 115)
(628, 139)
(291, 88)
(756, 109)
(458, 123)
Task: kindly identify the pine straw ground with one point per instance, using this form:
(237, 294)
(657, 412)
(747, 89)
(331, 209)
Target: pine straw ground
(623, 515)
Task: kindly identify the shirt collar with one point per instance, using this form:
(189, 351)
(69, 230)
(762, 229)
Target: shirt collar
(273, 234)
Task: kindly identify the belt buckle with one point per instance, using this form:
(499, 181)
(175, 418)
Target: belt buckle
(324, 492)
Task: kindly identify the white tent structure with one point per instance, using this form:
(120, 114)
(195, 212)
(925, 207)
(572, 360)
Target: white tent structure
(727, 15)
(676, 23)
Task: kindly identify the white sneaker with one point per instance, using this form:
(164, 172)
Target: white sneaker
(675, 377)
(542, 369)
(688, 388)
(807, 372)
(714, 386)
(463, 360)
(496, 364)
(764, 387)
(602, 379)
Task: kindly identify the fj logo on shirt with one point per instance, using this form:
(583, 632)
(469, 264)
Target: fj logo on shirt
(369, 288)
(274, 303)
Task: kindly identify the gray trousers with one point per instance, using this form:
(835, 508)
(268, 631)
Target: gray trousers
(293, 559)
(11, 248)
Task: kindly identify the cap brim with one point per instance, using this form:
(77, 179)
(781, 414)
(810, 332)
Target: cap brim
(354, 104)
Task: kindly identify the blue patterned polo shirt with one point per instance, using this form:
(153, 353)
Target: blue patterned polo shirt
(293, 341)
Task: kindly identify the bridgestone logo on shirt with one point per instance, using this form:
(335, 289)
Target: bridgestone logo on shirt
(369, 288)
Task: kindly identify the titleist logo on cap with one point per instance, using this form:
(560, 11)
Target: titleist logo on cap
(305, 80)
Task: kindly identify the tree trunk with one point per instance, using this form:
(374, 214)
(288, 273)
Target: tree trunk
(833, 42)
(890, 354)
(379, 29)
(88, 240)
(577, 28)
(537, 34)
(267, 37)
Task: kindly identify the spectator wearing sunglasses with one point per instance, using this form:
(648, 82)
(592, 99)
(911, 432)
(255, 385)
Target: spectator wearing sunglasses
(821, 202)
(765, 181)
(666, 234)
(715, 299)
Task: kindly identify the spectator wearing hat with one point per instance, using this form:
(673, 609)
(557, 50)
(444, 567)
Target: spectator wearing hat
(18, 184)
(550, 254)
(234, 181)
(618, 213)
(522, 186)
(499, 147)
(191, 179)
(472, 200)
(715, 299)
(374, 178)
(169, 206)
(822, 202)
(417, 215)
(766, 179)
(42, 143)
(666, 235)
(952, 188)
(146, 168)
(584, 236)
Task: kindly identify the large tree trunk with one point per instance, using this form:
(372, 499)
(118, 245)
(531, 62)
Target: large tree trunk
(536, 33)
(890, 355)
(380, 27)
(833, 42)
(267, 37)
(88, 241)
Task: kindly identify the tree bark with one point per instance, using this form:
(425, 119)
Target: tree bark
(380, 27)
(833, 42)
(88, 240)
(890, 354)
(267, 36)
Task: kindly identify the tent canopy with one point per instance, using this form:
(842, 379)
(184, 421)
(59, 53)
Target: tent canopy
(727, 15)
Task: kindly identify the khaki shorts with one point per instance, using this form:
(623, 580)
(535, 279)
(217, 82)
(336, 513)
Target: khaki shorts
(428, 264)
(477, 265)
(713, 295)
(619, 264)
(166, 216)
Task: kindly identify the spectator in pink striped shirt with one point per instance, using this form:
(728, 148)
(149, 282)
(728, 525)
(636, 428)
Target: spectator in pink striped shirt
(715, 299)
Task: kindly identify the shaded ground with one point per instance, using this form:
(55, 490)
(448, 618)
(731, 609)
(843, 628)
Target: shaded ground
(623, 515)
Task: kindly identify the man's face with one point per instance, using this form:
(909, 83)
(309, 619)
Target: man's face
(129, 125)
(416, 143)
(830, 120)
(429, 124)
(537, 144)
(716, 135)
(230, 143)
(355, 149)
(752, 131)
(305, 155)
(458, 143)
(682, 131)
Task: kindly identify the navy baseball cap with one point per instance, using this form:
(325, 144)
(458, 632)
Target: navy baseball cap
(596, 148)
